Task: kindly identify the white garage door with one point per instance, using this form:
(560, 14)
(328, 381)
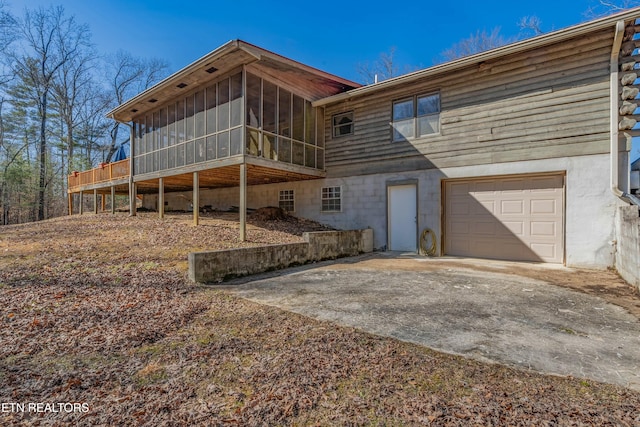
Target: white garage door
(517, 218)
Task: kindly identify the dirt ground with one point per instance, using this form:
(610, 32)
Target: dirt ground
(97, 310)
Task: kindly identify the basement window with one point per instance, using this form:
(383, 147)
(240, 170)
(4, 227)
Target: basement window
(331, 199)
(286, 200)
(342, 124)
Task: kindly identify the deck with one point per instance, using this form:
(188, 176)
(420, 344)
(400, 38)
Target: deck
(103, 175)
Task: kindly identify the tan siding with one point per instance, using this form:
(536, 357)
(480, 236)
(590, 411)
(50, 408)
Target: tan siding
(550, 102)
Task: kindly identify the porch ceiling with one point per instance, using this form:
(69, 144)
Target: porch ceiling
(227, 176)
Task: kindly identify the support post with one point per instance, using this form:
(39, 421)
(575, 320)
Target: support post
(113, 200)
(132, 171)
(161, 198)
(196, 199)
(95, 201)
(103, 202)
(132, 198)
(81, 208)
(243, 202)
(70, 200)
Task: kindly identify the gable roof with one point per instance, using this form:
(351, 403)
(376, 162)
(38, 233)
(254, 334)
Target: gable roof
(517, 47)
(227, 57)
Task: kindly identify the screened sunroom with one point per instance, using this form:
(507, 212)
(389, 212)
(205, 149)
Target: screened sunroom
(239, 116)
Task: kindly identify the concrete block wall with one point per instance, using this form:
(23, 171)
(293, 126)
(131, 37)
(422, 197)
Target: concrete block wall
(216, 266)
(628, 244)
(589, 205)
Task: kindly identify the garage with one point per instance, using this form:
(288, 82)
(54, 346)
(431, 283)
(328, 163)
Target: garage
(518, 218)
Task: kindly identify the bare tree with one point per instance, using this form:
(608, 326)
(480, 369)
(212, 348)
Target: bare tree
(530, 26)
(475, 43)
(127, 76)
(8, 35)
(51, 40)
(606, 7)
(71, 85)
(381, 69)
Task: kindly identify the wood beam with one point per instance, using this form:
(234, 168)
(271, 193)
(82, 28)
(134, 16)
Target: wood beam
(196, 199)
(95, 201)
(70, 200)
(103, 202)
(243, 202)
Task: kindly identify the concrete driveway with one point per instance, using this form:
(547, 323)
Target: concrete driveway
(456, 306)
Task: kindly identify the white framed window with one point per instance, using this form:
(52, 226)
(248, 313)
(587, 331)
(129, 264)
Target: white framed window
(286, 200)
(331, 199)
(342, 124)
(416, 116)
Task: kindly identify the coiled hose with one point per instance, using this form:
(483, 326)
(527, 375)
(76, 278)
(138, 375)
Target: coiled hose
(428, 242)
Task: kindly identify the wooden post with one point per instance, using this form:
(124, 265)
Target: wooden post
(113, 199)
(70, 199)
(132, 198)
(132, 172)
(161, 198)
(196, 199)
(95, 201)
(81, 208)
(103, 202)
(243, 202)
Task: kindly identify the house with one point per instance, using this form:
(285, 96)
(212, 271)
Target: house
(517, 153)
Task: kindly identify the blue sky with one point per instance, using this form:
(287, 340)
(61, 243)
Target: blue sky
(334, 37)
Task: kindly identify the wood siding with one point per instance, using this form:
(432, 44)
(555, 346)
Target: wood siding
(545, 103)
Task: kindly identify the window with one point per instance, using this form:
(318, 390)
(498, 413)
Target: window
(415, 117)
(285, 201)
(342, 124)
(331, 199)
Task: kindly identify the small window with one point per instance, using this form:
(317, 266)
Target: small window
(331, 199)
(342, 124)
(415, 117)
(286, 200)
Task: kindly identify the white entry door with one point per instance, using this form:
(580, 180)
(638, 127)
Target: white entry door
(403, 218)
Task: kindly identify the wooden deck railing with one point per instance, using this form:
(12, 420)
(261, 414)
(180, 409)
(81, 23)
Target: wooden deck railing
(104, 173)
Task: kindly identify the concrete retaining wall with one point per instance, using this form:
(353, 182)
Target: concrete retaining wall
(216, 266)
(628, 244)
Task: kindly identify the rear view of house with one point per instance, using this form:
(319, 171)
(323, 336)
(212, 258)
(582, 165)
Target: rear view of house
(518, 153)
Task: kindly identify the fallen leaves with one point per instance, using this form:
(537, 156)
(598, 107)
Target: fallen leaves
(106, 316)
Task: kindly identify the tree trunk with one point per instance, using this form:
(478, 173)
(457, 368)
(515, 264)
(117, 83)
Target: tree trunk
(70, 146)
(5, 203)
(114, 138)
(43, 160)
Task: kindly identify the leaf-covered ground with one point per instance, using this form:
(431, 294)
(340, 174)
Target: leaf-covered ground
(98, 310)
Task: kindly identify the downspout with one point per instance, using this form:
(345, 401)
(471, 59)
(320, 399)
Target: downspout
(614, 130)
